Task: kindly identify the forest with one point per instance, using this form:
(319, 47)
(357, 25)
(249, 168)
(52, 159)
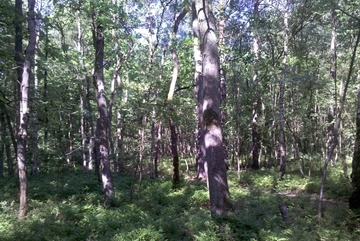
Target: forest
(179, 120)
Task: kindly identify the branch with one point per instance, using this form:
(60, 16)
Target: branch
(179, 18)
(348, 14)
(185, 88)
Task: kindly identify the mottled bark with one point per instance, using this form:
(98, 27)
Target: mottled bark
(92, 158)
(173, 134)
(212, 140)
(103, 121)
(200, 165)
(24, 114)
(35, 121)
(222, 72)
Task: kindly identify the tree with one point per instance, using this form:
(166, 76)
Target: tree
(335, 130)
(255, 151)
(282, 145)
(212, 140)
(24, 113)
(355, 175)
(103, 120)
(200, 165)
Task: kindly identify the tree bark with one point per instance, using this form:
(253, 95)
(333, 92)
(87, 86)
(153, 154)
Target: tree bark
(255, 150)
(35, 120)
(24, 114)
(212, 140)
(282, 146)
(200, 165)
(174, 152)
(103, 121)
(336, 126)
(355, 175)
(4, 137)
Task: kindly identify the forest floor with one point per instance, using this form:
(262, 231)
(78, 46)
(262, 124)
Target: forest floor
(67, 205)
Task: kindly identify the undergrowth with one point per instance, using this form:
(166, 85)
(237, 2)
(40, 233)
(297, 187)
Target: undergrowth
(68, 206)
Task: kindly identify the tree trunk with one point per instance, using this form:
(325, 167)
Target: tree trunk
(337, 125)
(355, 175)
(200, 165)
(103, 121)
(174, 152)
(92, 157)
(5, 142)
(255, 150)
(24, 114)
(282, 146)
(222, 72)
(212, 140)
(35, 144)
(119, 140)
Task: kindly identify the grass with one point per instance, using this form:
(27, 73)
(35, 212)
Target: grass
(67, 206)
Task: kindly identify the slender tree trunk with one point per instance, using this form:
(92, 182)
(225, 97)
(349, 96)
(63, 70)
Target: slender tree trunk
(174, 152)
(92, 157)
(45, 97)
(4, 138)
(255, 150)
(103, 121)
(141, 152)
(222, 72)
(119, 128)
(81, 92)
(200, 165)
(212, 140)
(35, 144)
(157, 149)
(24, 108)
(282, 146)
(115, 80)
(70, 142)
(82, 131)
(174, 135)
(336, 126)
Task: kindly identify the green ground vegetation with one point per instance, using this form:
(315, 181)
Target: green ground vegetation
(67, 205)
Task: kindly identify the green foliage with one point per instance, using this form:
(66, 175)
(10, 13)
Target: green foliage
(68, 206)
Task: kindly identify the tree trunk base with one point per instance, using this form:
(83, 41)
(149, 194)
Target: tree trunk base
(354, 200)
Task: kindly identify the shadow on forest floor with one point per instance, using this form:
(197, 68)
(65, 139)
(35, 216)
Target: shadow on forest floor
(67, 206)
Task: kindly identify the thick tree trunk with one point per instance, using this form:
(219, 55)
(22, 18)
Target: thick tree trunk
(354, 202)
(212, 141)
(103, 121)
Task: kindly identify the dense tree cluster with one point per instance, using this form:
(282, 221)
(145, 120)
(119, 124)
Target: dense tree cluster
(254, 84)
